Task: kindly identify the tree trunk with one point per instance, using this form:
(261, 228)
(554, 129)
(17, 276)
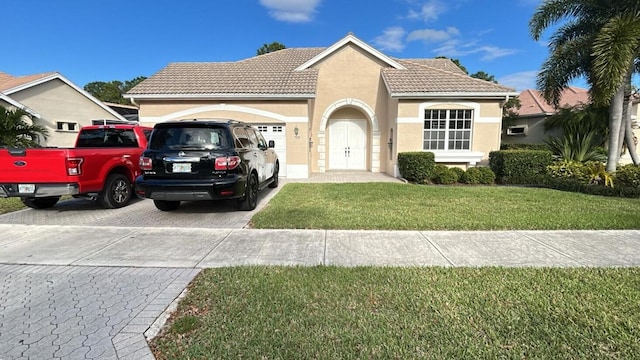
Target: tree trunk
(615, 125)
(628, 135)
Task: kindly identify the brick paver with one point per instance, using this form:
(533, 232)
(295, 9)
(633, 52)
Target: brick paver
(66, 312)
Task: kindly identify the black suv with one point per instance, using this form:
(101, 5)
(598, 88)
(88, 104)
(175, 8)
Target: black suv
(197, 159)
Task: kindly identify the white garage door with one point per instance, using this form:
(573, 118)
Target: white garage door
(277, 133)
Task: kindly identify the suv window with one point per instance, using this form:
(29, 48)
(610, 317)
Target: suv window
(198, 138)
(107, 138)
(259, 140)
(242, 138)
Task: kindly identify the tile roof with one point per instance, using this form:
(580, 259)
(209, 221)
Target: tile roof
(268, 74)
(8, 82)
(533, 103)
(275, 74)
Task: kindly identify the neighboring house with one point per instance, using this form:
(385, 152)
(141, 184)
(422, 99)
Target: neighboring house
(635, 125)
(345, 107)
(129, 112)
(55, 103)
(534, 110)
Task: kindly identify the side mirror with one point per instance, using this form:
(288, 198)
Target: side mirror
(272, 144)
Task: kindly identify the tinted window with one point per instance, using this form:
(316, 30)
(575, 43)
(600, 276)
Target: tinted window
(253, 138)
(189, 138)
(107, 138)
(242, 138)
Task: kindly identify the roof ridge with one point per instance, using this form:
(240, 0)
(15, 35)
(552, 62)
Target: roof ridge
(465, 76)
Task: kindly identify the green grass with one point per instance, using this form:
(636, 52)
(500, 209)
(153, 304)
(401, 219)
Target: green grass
(406, 313)
(10, 204)
(415, 207)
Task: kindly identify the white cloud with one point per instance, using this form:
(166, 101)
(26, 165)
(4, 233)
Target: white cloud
(520, 80)
(456, 49)
(429, 11)
(296, 11)
(430, 35)
(392, 39)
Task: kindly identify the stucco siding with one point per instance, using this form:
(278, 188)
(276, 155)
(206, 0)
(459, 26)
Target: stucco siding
(58, 102)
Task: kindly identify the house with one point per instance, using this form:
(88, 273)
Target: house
(55, 103)
(344, 107)
(534, 110)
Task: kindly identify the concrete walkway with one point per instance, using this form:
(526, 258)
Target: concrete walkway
(91, 292)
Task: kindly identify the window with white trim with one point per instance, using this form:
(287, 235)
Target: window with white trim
(277, 129)
(447, 129)
(263, 128)
(66, 126)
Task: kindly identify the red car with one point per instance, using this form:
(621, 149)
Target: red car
(102, 166)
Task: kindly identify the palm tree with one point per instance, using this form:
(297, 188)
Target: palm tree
(15, 131)
(599, 40)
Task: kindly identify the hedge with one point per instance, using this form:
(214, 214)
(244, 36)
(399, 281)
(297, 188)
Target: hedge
(575, 185)
(520, 166)
(539, 147)
(416, 166)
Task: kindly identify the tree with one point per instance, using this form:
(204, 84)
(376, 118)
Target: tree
(455, 61)
(112, 91)
(18, 130)
(484, 76)
(269, 48)
(510, 111)
(599, 40)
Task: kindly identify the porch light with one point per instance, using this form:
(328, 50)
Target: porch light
(296, 131)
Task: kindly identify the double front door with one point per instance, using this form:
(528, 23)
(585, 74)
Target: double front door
(348, 144)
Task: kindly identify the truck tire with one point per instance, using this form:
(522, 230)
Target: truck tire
(250, 199)
(116, 193)
(166, 205)
(40, 203)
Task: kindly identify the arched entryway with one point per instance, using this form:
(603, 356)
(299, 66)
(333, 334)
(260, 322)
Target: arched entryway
(349, 137)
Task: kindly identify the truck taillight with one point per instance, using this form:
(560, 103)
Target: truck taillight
(74, 166)
(227, 163)
(146, 163)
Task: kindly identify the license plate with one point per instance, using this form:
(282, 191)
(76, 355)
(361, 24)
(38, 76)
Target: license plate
(26, 188)
(182, 167)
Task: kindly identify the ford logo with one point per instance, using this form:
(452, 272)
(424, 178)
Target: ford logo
(181, 154)
(20, 163)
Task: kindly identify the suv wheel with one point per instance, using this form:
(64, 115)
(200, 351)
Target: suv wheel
(274, 182)
(166, 205)
(250, 199)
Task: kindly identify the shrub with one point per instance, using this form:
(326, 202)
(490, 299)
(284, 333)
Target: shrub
(416, 166)
(471, 176)
(575, 185)
(628, 175)
(458, 172)
(568, 170)
(486, 175)
(444, 175)
(578, 145)
(540, 147)
(520, 166)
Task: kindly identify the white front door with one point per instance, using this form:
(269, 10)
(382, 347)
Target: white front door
(348, 145)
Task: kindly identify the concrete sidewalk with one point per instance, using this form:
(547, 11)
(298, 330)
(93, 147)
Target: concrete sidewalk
(202, 248)
(95, 292)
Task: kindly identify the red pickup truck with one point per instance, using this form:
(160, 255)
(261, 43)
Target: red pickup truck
(102, 166)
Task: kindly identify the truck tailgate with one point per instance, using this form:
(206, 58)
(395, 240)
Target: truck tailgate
(33, 166)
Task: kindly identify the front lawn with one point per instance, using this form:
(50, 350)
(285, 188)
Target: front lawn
(406, 313)
(391, 206)
(10, 204)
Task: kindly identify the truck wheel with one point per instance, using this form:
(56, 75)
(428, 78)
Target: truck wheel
(250, 199)
(274, 182)
(117, 192)
(166, 205)
(40, 203)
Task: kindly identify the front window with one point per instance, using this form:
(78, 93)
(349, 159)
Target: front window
(447, 129)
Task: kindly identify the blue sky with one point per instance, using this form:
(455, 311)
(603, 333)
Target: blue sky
(106, 40)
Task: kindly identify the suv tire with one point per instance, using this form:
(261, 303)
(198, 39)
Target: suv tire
(274, 182)
(250, 199)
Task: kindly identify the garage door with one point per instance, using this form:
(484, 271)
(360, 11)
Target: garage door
(277, 133)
